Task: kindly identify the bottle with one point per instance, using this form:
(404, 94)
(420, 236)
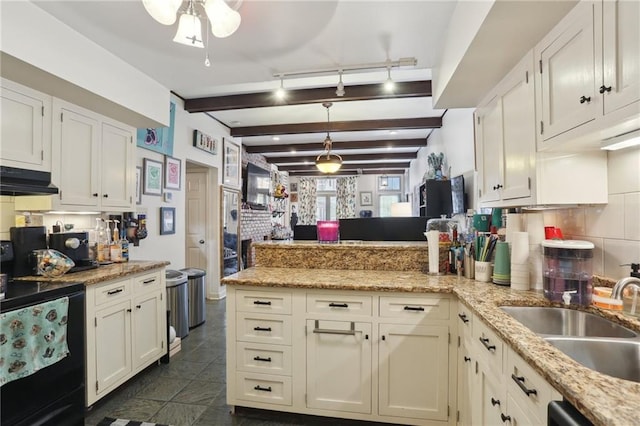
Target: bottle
(124, 245)
(115, 250)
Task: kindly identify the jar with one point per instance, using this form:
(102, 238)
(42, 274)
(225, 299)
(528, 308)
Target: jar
(568, 271)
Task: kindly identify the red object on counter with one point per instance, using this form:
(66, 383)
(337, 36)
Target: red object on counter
(553, 233)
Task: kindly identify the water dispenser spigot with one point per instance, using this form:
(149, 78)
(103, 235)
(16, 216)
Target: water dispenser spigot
(566, 296)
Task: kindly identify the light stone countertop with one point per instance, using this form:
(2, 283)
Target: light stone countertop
(103, 272)
(603, 399)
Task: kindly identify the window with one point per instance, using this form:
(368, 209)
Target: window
(326, 199)
(389, 183)
(385, 202)
(326, 185)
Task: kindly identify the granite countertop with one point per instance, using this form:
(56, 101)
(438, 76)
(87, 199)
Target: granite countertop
(342, 245)
(605, 400)
(103, 272)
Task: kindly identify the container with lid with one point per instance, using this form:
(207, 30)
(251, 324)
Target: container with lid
(568, 271)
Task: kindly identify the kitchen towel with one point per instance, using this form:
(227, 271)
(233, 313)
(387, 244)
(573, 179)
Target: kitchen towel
(33, 338)
(433, 240)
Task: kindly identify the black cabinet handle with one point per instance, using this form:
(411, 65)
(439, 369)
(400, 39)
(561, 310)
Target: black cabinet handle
(464, 318)
(128, 310)
(467, 359)
(505, 418)
(148, 281)
(604, 88)
(384, 338)
(498, 186)
(485, 343)
(520, 382)
(95, 194)
(338, 305)
(138, 306)
(260, 302)
(495, 402)
(260, 388)
(257, 358)
(413, 308)
(105, 195)
(262, 328)
(584, 99)
(112, 292)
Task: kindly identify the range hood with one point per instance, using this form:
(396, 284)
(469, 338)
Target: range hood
(16, 182)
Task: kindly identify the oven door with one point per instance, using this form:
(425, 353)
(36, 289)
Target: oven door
(562, 413)
(55, 394)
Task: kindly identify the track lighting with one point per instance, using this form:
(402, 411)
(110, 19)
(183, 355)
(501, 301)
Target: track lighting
(340, 88)
(327, 162)
(280, 92)
(389, 84)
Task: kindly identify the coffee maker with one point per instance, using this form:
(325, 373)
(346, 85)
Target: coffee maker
(25, 240)
(74, 245)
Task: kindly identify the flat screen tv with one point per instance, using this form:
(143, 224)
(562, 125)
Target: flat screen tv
(256, 186)
(457, 195)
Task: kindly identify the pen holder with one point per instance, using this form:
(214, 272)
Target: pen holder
(483, 271)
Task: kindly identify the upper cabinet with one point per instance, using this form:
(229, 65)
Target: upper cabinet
(25, 140)
(589, 76)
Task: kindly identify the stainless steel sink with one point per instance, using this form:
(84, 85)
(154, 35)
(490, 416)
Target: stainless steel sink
(617, 358)
(566, 322)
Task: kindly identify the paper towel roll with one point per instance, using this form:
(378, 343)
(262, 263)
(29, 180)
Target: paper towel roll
(433, 239)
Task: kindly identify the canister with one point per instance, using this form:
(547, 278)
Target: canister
(568, 271)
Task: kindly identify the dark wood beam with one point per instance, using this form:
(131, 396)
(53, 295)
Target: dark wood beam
(317, 172)
(403, 89)
(364, 166)
(301, 147)
(339, 126)
(353, 157)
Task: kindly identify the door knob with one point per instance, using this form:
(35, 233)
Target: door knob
(201, 241)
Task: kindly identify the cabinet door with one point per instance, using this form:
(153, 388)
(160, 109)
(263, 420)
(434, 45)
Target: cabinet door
(489, 144)
(117, 167)
(339, 366)
(491, 399)
(568, 74)
(621, 50)
(113, 345)
(464, 390)
(75, 156)
(149, 329)
(25, 115)
(414, 371)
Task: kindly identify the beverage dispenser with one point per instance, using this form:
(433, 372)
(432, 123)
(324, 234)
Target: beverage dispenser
(568, 271)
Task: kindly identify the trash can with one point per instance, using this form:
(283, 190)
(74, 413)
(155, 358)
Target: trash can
(197, 312)
(178, 301)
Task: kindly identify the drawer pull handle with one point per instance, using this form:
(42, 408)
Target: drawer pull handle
(116, 291)
(260, 388)
(520, 382)
(262, 328)
(464, 318)
(413, 308)
(604, 88)
(467, 359)
(257, 358)
(350, 332)
(338, 305)
(494, 401)
(485, 343)
(148, 281)
(505, 418)
(584, 99)
(260, 302)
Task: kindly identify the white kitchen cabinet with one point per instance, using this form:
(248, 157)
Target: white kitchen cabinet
(125, 330)
(94, 159)
(25, 134)
(464, 390)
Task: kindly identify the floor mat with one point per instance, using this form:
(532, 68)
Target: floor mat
(110, 421)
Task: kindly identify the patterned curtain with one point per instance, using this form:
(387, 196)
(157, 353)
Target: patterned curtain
(346, 197)
(307, 201)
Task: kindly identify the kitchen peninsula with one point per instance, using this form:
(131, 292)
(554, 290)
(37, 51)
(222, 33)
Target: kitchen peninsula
(319, 329)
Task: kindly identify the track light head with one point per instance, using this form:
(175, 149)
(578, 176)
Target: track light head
(389, 85)
(340, 88)
(281, 93)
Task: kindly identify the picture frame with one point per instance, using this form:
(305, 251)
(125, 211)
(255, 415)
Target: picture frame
(231, 163)
(293, 187)
(159, 139)
(172, 172)
(138, 185)
(293, 197)
(167, 220)
(366, 198)
(152, 177)
(205, 142)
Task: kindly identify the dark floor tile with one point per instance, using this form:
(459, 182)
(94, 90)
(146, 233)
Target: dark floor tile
(177, 414)
(198, 392)
(218, 417)
(213, 372)
(137, 409)
(183, 369)
(163, 389)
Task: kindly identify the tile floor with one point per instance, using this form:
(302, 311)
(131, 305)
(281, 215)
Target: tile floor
(190, 389)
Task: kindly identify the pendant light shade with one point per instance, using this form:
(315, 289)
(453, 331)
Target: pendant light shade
(189, 30)
(163, 11)
(328, 162)
(224, 20)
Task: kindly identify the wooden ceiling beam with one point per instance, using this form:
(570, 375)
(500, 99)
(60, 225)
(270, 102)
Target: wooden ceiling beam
(317, 172)
(402, 89)
(346, 166)
(301, 147)
(346, 157)
(339, 126)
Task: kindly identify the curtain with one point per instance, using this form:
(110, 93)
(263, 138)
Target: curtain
(307, 201)
(346, 197)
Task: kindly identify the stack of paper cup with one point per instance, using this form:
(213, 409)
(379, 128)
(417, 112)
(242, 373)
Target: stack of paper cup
(520, 260)
(433, 239)
(514, 224)
(534, 225)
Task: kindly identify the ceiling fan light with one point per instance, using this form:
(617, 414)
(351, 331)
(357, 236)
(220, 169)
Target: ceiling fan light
(328, 163)
(224, 20)
(189, 31)
(163, 11)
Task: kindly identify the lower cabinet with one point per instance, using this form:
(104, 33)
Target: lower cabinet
(126, 330)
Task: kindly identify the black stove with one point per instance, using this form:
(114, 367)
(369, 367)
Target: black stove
(24, 293)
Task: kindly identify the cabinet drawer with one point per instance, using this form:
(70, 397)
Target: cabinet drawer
(528, 388)
(261, 358)
(263, 301)
(465, 322)
(147, 282)
(339, 304)
(418, 308)
(113, 291)
(262, 328)
(263, 388)
(489, 346)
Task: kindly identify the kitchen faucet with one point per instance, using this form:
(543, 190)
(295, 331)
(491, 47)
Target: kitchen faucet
(616, 293)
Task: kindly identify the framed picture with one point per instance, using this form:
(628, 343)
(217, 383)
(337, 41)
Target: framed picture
(293, 197)
(366, 198)
(138, 185)
(152, 177)
(231, 163)
(167, 220)
(159, 139)
(205, 142)
(293, 187)
(172, 172)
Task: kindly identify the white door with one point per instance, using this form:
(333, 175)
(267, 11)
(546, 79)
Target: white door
(197, 248)
(113, 345)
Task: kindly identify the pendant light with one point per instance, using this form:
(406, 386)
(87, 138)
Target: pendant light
(327, 162)
(189, 28)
